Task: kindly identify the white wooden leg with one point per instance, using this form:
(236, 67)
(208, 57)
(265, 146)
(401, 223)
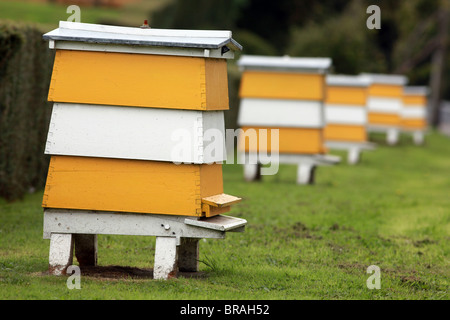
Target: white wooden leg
(305, 173)
(418, 137)
(392, 136)
(166, 256)
(61, 253)
(188, 255)
(86, 249)
(353, 156)
(251, 172)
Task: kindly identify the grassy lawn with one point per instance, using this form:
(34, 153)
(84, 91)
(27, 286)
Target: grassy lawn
(302, 242)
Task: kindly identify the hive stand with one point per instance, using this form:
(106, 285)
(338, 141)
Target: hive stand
(306, 165)
(354, 149)
(177, 237)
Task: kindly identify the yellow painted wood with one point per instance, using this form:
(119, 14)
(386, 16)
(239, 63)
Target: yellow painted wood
(414, 100)
(346, 95)
(414, 123)
(291, 140)
(221, 200)
(383, 118)
(386, 90)
(130, 185)
(279, 85)
(139, 80)
(345, 133)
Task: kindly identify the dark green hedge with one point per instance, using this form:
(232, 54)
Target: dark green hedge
(25, 71)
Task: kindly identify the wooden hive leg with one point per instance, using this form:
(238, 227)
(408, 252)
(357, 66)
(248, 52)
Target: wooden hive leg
(392, 136)
(188, 254)
(353, 156)
(252, 172)
(166, 258)
(86, 249)
(418, 137)
(305, 173)
(61, 253)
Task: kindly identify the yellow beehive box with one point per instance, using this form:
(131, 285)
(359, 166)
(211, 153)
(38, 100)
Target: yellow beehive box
(345, 108)
(287, 94)
(122, 96)
(414, 115)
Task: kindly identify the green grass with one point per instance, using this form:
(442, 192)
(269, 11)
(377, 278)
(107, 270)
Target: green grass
(302, 242)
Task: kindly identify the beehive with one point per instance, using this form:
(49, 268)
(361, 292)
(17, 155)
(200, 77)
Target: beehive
(130, 105)
(287, 94)
(414, 115)
(385, 103)
(345, 108)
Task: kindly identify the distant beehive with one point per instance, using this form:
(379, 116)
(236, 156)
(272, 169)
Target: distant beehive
(385, 104)
(345, 108)
(346, 115)
(414, 113)
(287, 94)
(120, 97)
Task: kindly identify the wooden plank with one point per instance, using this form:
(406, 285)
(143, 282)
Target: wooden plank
(385, 90)
(414, 123)
(414, 100)
(280, 113)
(345, 133)
(279, 85)
(388, 119)
(128, 185)
(345, 114)
(418, 112)
(346, 95)
(291, 140)
(219, 223)
(221, 200)
(135, 133)
(127, 79)
(384, 105)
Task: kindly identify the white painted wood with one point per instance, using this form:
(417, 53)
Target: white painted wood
(166, 256)
(284, 63)
(284, 158)
(251, 171)
(347, 145)
(384, 105)
(418, 137)
(122, 48)
(61, 253)
(280, 113)
(339, 80)
(220, 223)
(392, 136)
(343, 114)
(353, 156)
(305, 173)
(64, 221)
(416, 90)
(392, 79)
(136, 133)
(414, 112)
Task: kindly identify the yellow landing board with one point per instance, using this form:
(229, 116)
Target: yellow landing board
(278, 85)
(386, 90)
(131, 186)
(141, 80)
(383, 118)
(345, 133)
(346, 95)
(414, 123)
(414, 100)
(291, 140)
